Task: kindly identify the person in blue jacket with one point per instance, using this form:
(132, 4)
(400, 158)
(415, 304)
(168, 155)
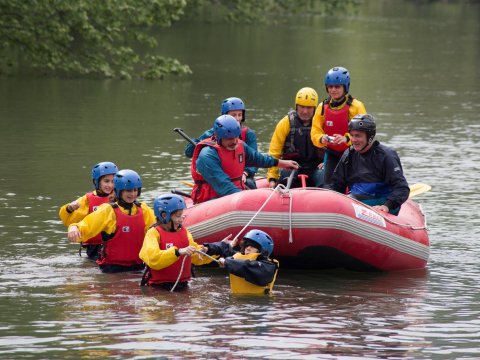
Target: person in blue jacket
(218, 162)
(235, 107)
(371, 171)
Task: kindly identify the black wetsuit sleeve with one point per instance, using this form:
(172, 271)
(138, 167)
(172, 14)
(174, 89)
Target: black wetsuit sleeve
(259, 273)
(220, 248)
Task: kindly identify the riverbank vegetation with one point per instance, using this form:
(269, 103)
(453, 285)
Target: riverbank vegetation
(117, 38)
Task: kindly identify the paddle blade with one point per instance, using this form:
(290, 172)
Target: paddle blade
(417, 189)
(187, 183)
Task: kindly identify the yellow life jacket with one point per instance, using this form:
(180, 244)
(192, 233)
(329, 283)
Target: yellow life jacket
(239, 285)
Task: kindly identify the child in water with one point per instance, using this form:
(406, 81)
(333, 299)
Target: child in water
(102, 177)
(251, 269)
(168, 248)
(122, 225)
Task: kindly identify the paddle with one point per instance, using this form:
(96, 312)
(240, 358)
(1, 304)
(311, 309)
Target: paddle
(417, 189)
(185, 136)
(187, 183)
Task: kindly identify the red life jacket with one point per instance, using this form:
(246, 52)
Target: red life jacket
(123, 248)
(94, 201)
(336, 122)
(170, 273)
(232, 163)
(243, 134)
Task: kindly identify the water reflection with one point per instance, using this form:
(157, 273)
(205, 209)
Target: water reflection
(55, 304)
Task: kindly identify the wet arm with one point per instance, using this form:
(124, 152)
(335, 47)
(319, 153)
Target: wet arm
(75, 216)
(259, 273)
(103, 219)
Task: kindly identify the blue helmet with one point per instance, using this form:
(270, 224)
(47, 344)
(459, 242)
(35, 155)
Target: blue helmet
(233, 103)
(226, 127)
(127, 180)
(102, 169)
(338, 76)
(168, 204)
(262, 239)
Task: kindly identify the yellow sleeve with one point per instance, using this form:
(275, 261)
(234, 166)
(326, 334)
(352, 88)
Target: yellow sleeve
(276, 145)
(77, 215)
(148, 216)
(356, 108)
(317, 127)
(197, 259)
(151, 254)
(103, 219)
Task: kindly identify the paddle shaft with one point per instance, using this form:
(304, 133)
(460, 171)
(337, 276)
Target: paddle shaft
(185, 136)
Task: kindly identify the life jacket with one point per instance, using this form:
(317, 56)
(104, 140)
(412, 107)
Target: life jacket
(239, 285)
(123, 246)
(243, 134)
(298, 145)
(170, 273)
(336, 122)
(232, 163)
(94, 201)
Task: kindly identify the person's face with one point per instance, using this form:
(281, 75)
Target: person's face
(305, 113)
(230, 143)
(177, 218)
(106, 184)
(359, 139)
(336, 91)
(249, 249)
(129, 196)
(237, 114)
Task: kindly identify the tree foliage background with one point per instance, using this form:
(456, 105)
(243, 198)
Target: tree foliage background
(99, 37)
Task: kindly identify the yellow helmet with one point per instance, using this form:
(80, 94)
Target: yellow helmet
(306, 97)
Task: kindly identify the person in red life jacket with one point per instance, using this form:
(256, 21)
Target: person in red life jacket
(250, 267)
(122, 225)
(330, 123)
(235, 107)
(218, 163)
(371, 171)
(168, 249)
(102, 177)
(292, 140)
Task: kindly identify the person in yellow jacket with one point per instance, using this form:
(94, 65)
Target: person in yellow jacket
(122, 224)
(168, 249)
(292, 141)
(75, 211)
(330, 123)
(251, 269)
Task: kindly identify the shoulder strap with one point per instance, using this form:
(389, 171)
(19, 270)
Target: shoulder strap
(290, 143)
(349, 100)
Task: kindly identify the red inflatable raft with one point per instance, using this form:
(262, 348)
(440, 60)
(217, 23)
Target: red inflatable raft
(318, 228)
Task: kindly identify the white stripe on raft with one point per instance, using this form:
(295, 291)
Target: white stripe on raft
(335, 221)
